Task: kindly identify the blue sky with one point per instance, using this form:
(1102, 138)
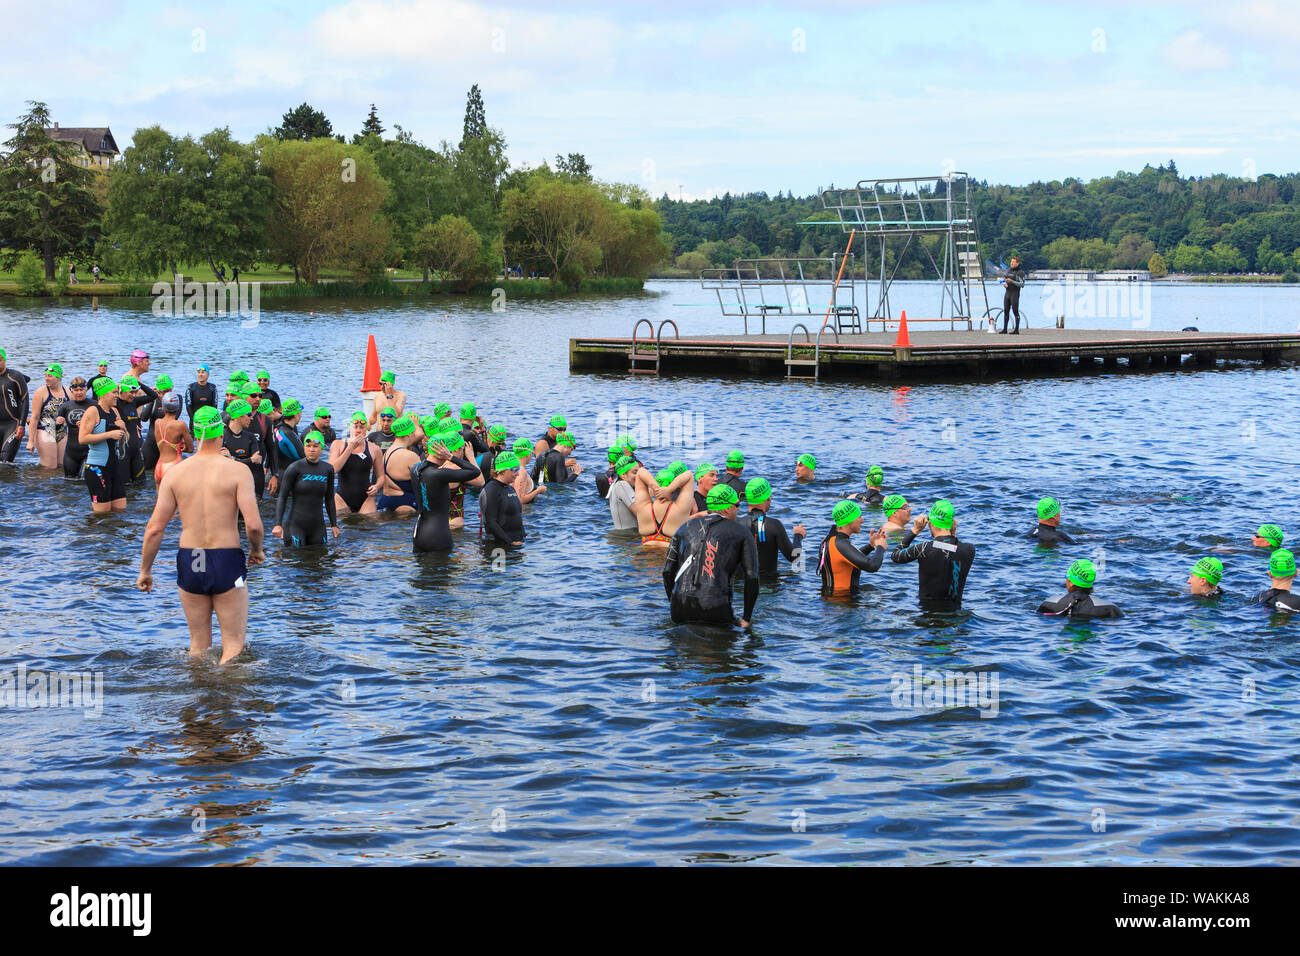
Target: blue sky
(710, 96)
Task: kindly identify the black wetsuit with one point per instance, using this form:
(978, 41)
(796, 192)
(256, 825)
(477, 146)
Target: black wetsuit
(310, 486)
(433, 502)
(488, 460)
(943, 565)
(242, 448)
(273, 396)
(603, 481)
(14, 408)
(270, 449)
(736, 482)
(288, 447)
(840, 563)
(771, 539)
(1046, 534)
(130, 412)
(552, 465)
(871, 496)
(199, 396)
(699, 573)
(74, 452)
(326, 432)
(501, 516)
(473, 439)
(1011, 298)
(1278, 600)
(1080, 604)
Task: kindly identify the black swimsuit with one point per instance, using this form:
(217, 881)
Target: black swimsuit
(354, 480)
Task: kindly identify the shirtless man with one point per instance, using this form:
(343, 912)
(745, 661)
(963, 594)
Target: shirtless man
(525, 487)
(210, 491)
(174, 438)
(897, 514)
(391, 398)
(662, 504)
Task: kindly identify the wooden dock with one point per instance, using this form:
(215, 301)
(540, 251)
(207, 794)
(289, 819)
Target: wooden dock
(942, 354)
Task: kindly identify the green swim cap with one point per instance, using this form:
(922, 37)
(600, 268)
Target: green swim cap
(446, 424)
(721, 497)
(565, 439)
(677, 468)
(239, 408)
(615, 453)
(164, 383)
(429, 424)
(105, 385)
(1082, 574)
(322, 412)
(505, 461)
(468, 410)
(523, 448)
(875, 475)
(1048, 508)
(264, 407)
(403, 426)
(703, 469)
(665, 477)
(55, 369)
(388, 377)
(757, 490)
(893, 503)
(626, 441)
(735, 459)
(941, 514)
(1210, 569)
(358, 417)
(207, 423)
(845, 513)
(624, 465)
(1271, 533)
(249, 389)
(263, 373)
(291, 407)
(1282, 564)
(808, 461)
(497, 433)
(453, 440)
(129, 383)
(557, 421)
(238, 376)
(314, 436)
(103, 363)
(442, 410)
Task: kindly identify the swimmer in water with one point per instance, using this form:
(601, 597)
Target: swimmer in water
(1205, 577)
(211, 492)
(74, 453)
(706, 476)
(47, 429)
(433, 478)
(662, 504)
(525, 487)
(703, 559)
(554, 466)
(172, 436)
(398, 493)
(382, 437)
(1281, 576)
(309, 482)
(389, 397)
(501, 517)
(735, 465)
(769, 533)
(1049, 519)
(356, 460)
(606, 478)
(622, 492)
(897, 514)
(1077, 601)
(1268, 536)
(546, 441)
(455, 441)
(839, 563)
(805, 469)
(942, 563)
(873, 495)
(103, 433)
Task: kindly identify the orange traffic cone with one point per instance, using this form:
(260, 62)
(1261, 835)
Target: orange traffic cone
(370, 379)
(902, 342)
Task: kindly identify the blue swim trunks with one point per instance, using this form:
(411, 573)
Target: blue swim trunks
(210, 570)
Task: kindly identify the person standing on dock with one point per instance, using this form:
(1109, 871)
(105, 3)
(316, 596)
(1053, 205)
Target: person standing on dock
(1014, 282)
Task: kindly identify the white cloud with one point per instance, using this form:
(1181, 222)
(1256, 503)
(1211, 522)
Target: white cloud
(1191, 51)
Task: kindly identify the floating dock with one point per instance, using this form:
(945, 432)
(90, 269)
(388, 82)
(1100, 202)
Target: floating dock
(929, 355)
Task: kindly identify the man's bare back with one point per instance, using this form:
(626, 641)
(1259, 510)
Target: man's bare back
(206, 491)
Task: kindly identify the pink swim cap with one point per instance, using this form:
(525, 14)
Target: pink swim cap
(139, 354)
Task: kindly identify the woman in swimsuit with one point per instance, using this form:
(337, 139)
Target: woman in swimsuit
(356, 462)
(398, 488)
(173, 437)
(47, 430)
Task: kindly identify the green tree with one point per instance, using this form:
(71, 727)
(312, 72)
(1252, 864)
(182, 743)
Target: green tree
(1264, 255)
(1133, 251)
(1157, 266)
(447, 247)
(422, 187)
(48, 202)
(1189, 258)
(693, 261)
(633, 242)
(560, 224)
(227, 198)
(328, 208)
(31, 275)
(475, 125)
(149, 202)
(372, 126)
(574, 166)
(303, 122)
(1224, 257)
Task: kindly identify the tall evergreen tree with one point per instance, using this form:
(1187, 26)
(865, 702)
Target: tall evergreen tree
(475, 117)
(303, 122)
(372, 124)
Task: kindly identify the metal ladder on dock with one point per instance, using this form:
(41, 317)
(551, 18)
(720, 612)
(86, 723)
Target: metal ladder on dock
(814, 363)
(634, 355)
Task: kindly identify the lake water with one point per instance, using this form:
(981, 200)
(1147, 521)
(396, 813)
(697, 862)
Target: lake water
(398, 709)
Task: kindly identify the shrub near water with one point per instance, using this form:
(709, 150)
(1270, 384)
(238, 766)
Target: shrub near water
(31, 275)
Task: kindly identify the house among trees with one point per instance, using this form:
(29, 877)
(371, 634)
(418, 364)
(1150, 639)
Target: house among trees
(98, 147)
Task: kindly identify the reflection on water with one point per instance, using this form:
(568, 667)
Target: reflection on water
(541, 706)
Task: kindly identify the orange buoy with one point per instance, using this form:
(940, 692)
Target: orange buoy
(902, 342)
(370, 378)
